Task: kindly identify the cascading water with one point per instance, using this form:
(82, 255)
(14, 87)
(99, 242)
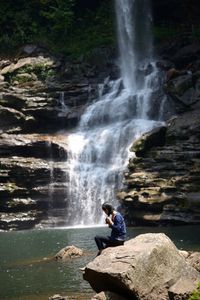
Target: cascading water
(134, 39)
(98, 150)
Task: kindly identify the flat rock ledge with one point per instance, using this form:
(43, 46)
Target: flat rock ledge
(148, 267)
(68, 253)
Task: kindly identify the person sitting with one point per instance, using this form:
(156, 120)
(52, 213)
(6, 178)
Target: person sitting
(118, 234)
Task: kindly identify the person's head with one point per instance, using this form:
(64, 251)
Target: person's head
(107, 208)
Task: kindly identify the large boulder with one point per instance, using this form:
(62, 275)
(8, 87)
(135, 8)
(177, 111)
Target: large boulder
(146, 267)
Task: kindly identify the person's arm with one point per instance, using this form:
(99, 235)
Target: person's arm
(116, 224)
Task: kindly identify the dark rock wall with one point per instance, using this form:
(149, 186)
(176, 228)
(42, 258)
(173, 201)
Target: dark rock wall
(176, 12)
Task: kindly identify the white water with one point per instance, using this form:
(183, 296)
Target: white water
(99, 149)
(64, 109)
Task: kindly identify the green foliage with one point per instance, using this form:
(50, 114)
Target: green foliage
(94, 30)
(66, 26)
(196, 294)
(42, 71)
(60, 17)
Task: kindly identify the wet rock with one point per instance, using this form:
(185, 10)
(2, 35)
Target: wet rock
(30, 183)
(37, 101)
(68, 252)
(182, 89)
(20, 220)
(154, 138)
(147, 267)
(32, 172)
(162, 185)
(34, 145)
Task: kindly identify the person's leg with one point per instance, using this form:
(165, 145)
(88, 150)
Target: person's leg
(102, 242)
(116, 243)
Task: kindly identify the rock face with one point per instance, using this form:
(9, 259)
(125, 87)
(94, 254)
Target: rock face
(146, 267)
(161, 185)
(40, 95)
(162, 182)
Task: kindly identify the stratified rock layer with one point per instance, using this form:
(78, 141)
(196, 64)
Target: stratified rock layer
(162, 182)
(37, 101)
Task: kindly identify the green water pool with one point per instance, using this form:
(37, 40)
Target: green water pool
(27, 273)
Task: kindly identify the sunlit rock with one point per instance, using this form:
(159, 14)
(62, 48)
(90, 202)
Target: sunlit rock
(194, 260)
(20, 220)
(146, 267)
(58, 297)
(108, 296)
(27, 61)
(68, 252)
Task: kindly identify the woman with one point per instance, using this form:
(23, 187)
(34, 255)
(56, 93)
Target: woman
(118, 234)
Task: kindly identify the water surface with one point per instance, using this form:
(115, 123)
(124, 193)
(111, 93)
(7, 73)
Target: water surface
(26, 274)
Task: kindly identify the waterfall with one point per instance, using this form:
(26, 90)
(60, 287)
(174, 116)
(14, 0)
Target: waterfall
(98, 151)
(134, 39)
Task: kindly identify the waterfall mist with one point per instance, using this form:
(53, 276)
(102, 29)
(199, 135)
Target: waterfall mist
(99, 149)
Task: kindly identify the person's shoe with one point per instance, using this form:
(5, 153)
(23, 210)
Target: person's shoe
(82, 269)
(99, 252)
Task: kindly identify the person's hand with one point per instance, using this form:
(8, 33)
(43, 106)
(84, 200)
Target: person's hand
(108, 221)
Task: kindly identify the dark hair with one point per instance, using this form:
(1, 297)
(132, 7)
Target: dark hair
(109, 207)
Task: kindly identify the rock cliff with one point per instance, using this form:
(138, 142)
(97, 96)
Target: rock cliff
(161, 185)
(41, 98)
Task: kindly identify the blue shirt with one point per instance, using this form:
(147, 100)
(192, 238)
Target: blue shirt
(118, 228)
